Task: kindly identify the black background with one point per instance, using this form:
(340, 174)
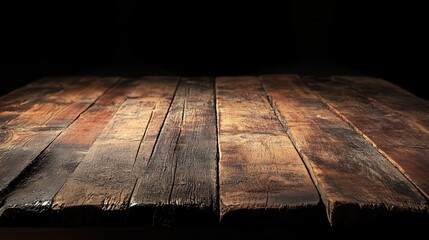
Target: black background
(129, 38)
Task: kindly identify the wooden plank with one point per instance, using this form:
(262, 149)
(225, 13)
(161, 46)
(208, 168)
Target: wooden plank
(177, 185)
(357, 184)
(99, 189)
(32, 131)
(262, 178)
(396, 122)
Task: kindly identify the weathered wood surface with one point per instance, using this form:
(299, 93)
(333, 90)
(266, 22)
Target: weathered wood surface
(21, 99)
(99, 190)
(30, 202)
(178, 181)
(50, 105)
(390, 95)
(97, 151)
(396, 122)
(260, 172)
(24, 137)
(357, 184)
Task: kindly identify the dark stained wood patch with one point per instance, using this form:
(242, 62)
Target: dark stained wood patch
(261, 176)
(357, 184)
(396, 122)
(177, 185)
(18, 151)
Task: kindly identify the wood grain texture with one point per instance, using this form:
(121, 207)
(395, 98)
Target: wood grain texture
(52, 104)
(357, 184)
(30, 202)
(390, 95)
(396, 122)
(178, 181)
(163, 89)
(104, 151)
(99, 190)
(27, 135)
(21, 99)
(261, 175)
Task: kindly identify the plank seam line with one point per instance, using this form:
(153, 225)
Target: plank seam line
(137, 153)
(286, 129)
(144, 134)
(163, 123)
(217, 200)
(25, 173)
(127, 208)
(175, 146)
(385, 155)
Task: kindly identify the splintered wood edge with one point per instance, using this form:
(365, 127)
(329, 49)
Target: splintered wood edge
(163, 214)
(341, 213)
(311, 214)
(230, 209)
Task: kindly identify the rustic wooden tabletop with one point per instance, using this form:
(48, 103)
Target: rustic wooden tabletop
(203, 151)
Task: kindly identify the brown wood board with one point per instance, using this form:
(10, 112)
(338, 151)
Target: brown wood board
(260, 172)
(178, 181)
